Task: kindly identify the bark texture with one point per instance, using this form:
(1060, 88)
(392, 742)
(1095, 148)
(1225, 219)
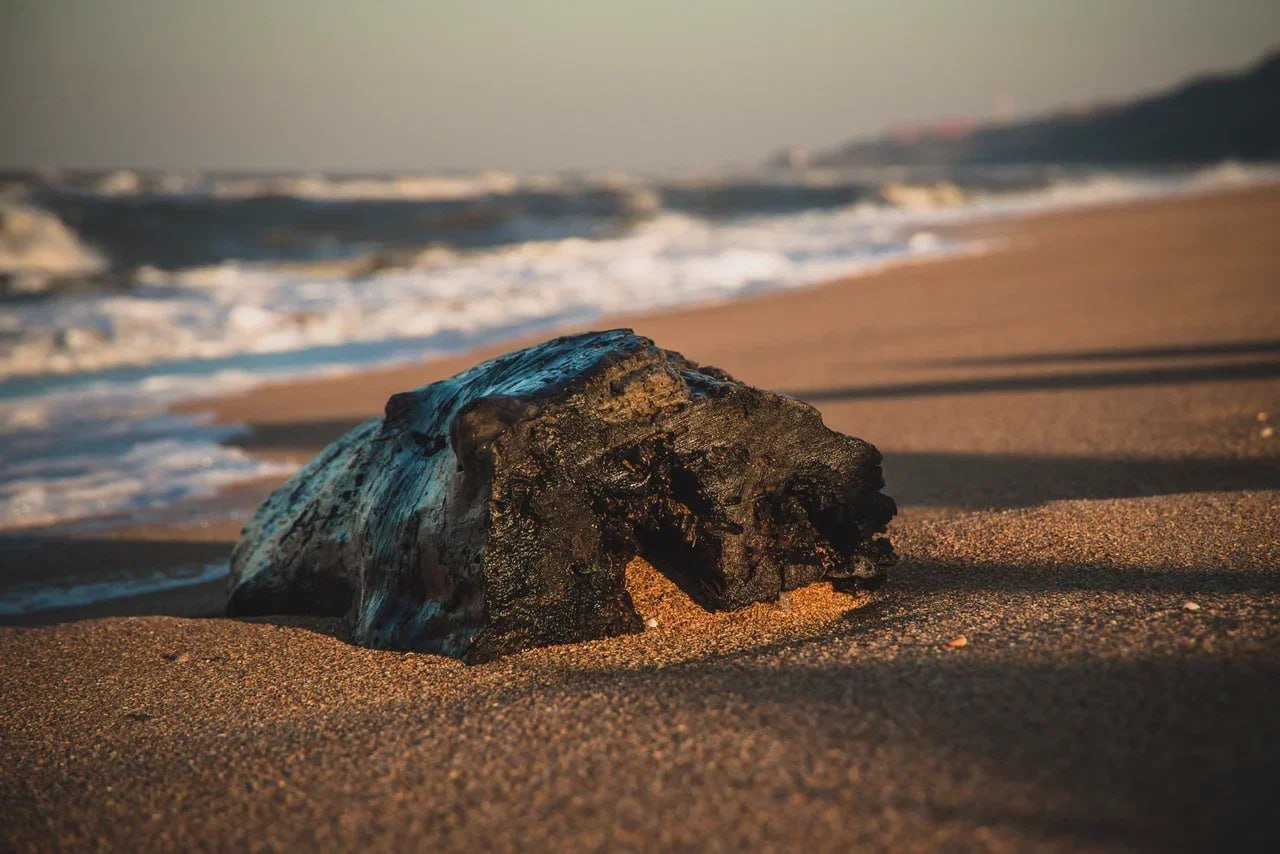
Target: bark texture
(496, 510)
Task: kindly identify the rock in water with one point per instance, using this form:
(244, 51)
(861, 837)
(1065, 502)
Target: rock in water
(497, 510)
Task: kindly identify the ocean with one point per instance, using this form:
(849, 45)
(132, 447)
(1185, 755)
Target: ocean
(123, 293)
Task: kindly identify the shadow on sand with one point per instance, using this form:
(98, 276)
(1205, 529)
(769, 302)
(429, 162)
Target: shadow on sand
(970, 481)
(1176, 375)
(72, 566)
(1255, 347)
(1003, 481)
(1143, 752)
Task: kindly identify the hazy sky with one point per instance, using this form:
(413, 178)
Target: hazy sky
(390, 84)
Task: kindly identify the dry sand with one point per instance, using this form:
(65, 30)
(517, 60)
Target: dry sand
(1088, 501)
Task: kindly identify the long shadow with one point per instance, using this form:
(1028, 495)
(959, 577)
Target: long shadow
(927, 575)
(52, 579)
(1117, 354)
(913, 575)
(295, 434)
(970, 481)
(1141, 751)
(1001, 481)
(973, 481)
(1153, 752)
(1177, 375)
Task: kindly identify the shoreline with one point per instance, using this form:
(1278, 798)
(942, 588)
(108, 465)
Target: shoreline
(274, 433)
(768, 255)
(1006, 233)
(1076, 431)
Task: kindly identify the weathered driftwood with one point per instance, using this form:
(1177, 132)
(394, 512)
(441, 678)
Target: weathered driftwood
(497, 510)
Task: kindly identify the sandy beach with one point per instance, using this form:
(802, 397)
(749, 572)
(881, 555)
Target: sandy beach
(1079, 649)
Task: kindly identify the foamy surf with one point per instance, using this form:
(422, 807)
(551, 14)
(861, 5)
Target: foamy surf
(85, 426)
(237, 308)
(36, 246)
(32, 599)
(114, 450)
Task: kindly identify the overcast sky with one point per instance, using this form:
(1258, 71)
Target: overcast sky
(554, 84)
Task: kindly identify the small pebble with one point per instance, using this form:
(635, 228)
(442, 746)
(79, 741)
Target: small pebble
(1190, 606)
(1267, 432)
(1262, 416)
(651, 623)
(957, 642)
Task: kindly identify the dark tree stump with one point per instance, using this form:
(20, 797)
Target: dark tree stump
(497, 510)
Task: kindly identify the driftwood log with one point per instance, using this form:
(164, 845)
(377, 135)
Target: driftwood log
(497, 510)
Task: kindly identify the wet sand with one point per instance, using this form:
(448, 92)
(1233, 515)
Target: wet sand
(1071, 427)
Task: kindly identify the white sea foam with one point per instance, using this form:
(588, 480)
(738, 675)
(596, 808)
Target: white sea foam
(77, 446)
(36, 246)
(121, 182)
(922, 197)
(403, 187)
(423, 187)
(236, 308)
(30, 599)
(76, 450)
(112, 449)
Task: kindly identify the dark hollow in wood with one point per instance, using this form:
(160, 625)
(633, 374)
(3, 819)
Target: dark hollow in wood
(497, 510)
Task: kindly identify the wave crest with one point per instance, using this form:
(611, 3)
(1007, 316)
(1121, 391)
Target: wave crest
(36, 247)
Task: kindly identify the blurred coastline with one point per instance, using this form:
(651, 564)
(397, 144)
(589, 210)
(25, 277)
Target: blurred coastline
(173, 288)
(129, 293)
(158, 446)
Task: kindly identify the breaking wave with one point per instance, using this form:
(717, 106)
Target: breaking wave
(418, 293)
(87, 376)
(233, 308)
(36, 246)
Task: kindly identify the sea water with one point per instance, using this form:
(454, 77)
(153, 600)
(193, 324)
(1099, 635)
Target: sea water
(124, 293)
